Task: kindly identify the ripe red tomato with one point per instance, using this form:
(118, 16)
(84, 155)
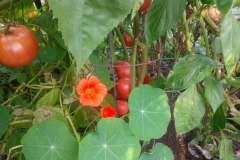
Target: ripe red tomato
(128, 40)
(18, 47)
(123, 69)
(122, 107)
(123, 88)
(147, 79)
(145, 6)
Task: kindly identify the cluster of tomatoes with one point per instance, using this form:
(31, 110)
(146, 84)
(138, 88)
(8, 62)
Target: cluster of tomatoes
(18, 46)
(123, 88)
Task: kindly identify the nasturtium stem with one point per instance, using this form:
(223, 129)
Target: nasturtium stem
(186, 28)
(72, 126)
(125, 52)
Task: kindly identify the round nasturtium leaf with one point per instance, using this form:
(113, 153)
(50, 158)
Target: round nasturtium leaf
(160, 152)
(113, 140)
(149, 112)
(49, 140)
(4, 116)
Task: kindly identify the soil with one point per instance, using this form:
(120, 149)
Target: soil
(179, 144)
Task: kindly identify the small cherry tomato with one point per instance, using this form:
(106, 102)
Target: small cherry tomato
(18, 46)
(122, 68)
(145, 6)
(128, 40)
(123, 88)
(122, 107)
(147, 79)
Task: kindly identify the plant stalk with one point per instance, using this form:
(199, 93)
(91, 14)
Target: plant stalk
(125, 52)
(186, 28)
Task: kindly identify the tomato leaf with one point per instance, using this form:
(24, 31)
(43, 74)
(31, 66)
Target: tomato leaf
(85, 23)
(50, 98)
(230, 33)
(190, 70)
(162, 15)
(113, 140)
(49, 140)
(4, 120)
(233, 81)
(149, 112)
(226, 149)
(224, 6)
(137, 5)
(219, 119)
(101, 71)
(47, 54)
(189, 110)
(214, 92)
(160, 152)
(46, 112)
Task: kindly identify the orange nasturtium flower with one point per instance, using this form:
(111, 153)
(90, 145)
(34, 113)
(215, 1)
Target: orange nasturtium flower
(91, 91)
(108, 111)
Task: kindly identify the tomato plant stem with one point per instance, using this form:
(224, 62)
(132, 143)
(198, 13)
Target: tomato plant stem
(125, 52)
(111, 44)
(143, 68)
(133, 62)
(204, 31)
(186, 28)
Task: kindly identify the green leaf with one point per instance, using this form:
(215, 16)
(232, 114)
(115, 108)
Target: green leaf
(158, 82)
(83, 117)
(230, 33)
(224, 6)
(190, 70)
(137, 5)
(47, 54)
(233, 81)
(236, 136)
(214, 92)
(15, 139)
(189, 110)
(85, 23)
(226, 150)
(4, 120)
(101, 71)
(218, 46)
(162, 15)
(149, 112)
(50, 140)
(50, 98)
(236, 120)
(21, 77)
(160, 152)
(219, 119)
(108, 100)
(113, 140)
(48, 112)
